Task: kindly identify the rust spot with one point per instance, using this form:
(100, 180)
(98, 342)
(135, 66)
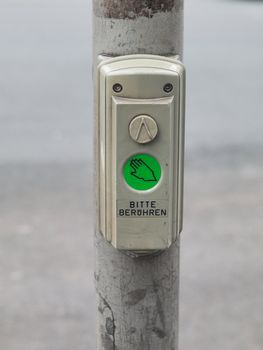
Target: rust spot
(132, 330)
(131, 9)
(110, 326)
(136, 296)
(108, 338)
(159, 332)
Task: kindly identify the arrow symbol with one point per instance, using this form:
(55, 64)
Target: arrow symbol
(144, 128)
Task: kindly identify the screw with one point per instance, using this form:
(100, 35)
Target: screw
(168, 87)
(117, 87)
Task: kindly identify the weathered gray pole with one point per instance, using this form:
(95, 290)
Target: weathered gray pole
(137, 297)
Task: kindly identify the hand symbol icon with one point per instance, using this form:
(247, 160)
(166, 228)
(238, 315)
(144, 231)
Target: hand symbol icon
(141, 170)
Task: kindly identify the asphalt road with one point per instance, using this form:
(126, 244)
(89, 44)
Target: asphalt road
(47, 299)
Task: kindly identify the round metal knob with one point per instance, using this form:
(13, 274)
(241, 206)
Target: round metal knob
(143, 129)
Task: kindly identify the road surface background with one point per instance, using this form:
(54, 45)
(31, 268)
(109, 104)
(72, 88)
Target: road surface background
(47, 298)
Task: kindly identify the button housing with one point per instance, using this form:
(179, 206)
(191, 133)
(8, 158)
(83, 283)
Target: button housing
(140, 220)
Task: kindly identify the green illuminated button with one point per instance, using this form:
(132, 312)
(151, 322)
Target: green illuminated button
(142, 172)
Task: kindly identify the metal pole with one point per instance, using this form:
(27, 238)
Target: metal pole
(137, 297)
